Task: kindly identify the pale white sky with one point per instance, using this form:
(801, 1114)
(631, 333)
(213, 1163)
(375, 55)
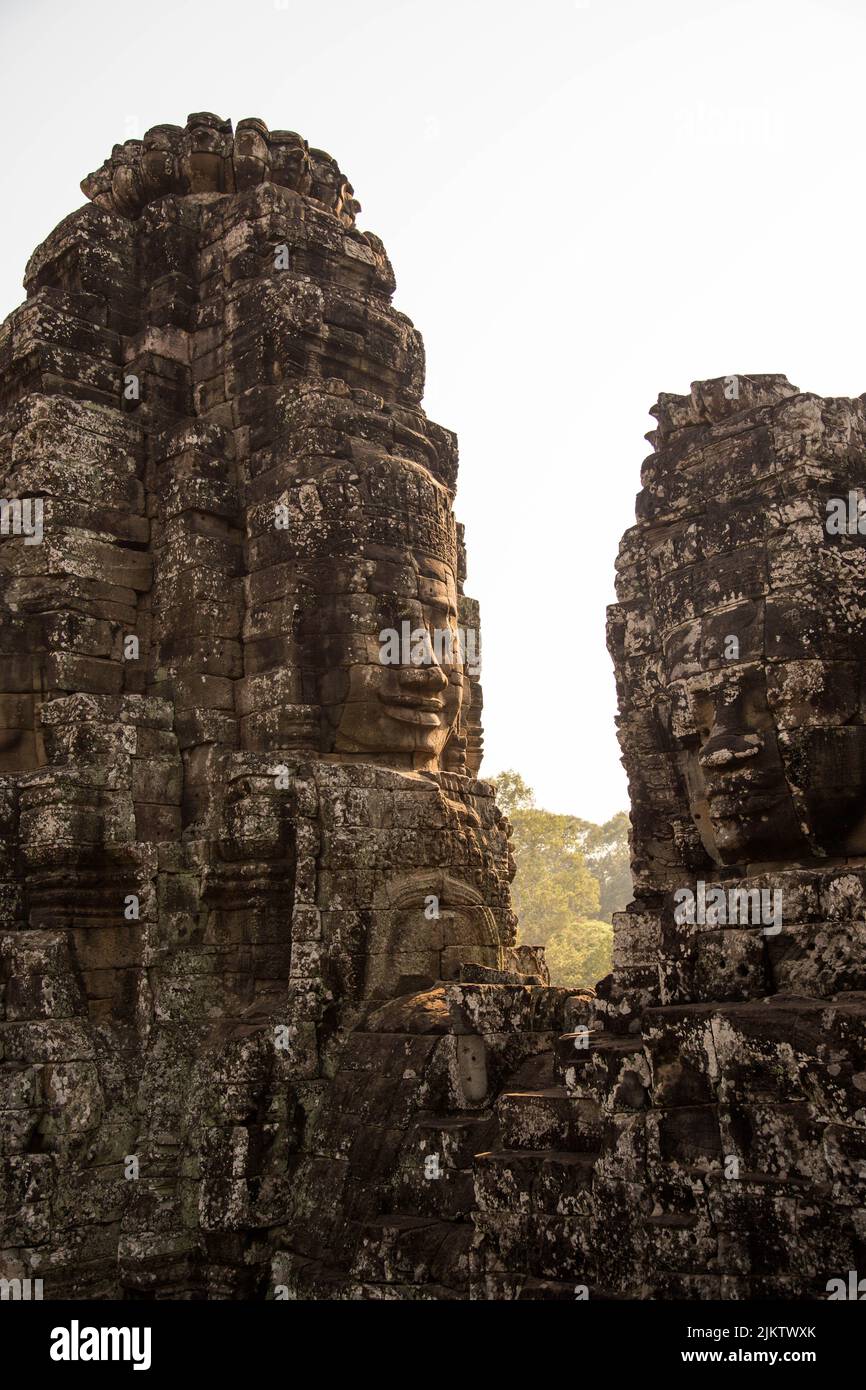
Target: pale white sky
(585, 204)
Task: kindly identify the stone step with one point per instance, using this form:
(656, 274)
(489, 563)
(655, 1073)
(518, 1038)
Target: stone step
(550, 1118)
(553, 1240)
(304, 1279)
(447, 1194)
(458, 1138)
(494, 1286)
(537, 1181)
(498, 1009)
(533, 1074)
(470, 1007)
(404, 1293)
(596, 1064)
(434, 1176)
(414, 1250)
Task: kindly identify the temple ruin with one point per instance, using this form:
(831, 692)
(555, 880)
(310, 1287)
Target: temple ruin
(264, 1028)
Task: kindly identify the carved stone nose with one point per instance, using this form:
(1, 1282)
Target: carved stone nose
(423, 678)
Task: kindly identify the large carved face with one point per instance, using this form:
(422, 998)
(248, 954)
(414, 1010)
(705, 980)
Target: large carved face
(728, 755)
(387, 691)
(742, 647)
(424, 926)
(769, 769)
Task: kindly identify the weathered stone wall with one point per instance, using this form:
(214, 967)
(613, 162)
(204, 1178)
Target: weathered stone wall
(739, 643)
(227, 823)
(708, 1135)
(264, 1031)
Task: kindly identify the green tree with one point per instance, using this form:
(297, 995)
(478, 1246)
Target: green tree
(512, 793)
(580, 955)
(606, 851)
(553, 887)
(572, 875)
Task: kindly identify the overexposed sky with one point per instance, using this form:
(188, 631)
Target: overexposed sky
(586, 202)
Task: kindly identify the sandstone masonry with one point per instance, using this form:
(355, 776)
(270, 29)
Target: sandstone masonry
(264, 1030)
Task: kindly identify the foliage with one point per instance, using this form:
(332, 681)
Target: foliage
(572, 875)
(580, 956)
(605, 849)
(554, 887)
(512, 793)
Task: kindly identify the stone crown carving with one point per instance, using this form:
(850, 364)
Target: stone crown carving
(206, 157)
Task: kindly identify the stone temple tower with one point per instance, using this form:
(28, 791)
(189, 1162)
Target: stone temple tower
(229, 826)
(264, 1028)
(738, 999)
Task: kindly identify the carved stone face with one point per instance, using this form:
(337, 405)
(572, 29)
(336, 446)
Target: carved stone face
(746, 633)
(772, 754)
(202, 152)
(290, 161)
(423, 926)
(729, 759)
(386, 692)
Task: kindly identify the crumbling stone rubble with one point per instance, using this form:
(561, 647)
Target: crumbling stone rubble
(264, 1028)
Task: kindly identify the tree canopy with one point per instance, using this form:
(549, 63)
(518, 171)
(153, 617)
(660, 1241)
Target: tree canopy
(572, 875)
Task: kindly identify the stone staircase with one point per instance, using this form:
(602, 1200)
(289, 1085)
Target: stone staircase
(433, 1092)
(713, 1155)
(535, 1217)
(575, 1162)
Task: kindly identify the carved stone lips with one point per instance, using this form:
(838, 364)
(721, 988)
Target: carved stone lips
(724, 757)
(415, 709)
(729, 804)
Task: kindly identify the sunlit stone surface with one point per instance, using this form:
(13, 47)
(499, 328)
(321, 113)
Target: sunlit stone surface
(265, 1032)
